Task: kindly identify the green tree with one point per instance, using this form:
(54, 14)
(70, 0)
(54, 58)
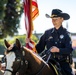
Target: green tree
(10, 14)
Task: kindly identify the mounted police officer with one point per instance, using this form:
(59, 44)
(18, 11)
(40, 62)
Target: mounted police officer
(58, 40)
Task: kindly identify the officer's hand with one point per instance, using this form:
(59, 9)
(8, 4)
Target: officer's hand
(27, 40)
(54, 49)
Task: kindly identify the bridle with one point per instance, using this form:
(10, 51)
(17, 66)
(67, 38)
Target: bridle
(22, 62)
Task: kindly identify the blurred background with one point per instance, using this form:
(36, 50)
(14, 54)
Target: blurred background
(12, 24)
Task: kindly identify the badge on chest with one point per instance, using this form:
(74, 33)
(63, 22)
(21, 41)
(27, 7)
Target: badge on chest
(61, 36)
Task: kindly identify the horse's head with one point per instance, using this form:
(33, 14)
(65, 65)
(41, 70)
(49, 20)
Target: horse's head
(15, 59)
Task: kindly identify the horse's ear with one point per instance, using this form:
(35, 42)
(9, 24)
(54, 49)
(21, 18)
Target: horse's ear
(18, 44)
(6, 43)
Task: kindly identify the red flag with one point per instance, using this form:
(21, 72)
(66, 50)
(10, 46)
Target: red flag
(35, 11)
(31, 12)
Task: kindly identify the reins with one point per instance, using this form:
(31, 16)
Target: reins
(48, 52)
(44, 65)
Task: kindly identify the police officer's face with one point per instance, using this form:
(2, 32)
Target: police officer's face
(57, 22)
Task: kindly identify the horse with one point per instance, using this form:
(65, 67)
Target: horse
(23, 61)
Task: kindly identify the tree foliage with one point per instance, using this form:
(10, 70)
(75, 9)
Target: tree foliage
(10, 13)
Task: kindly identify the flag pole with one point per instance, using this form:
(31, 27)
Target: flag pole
(31, 12)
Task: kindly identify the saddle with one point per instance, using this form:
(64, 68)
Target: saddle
(55, 66)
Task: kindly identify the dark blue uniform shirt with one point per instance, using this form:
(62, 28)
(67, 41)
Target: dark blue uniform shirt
(59, 38)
